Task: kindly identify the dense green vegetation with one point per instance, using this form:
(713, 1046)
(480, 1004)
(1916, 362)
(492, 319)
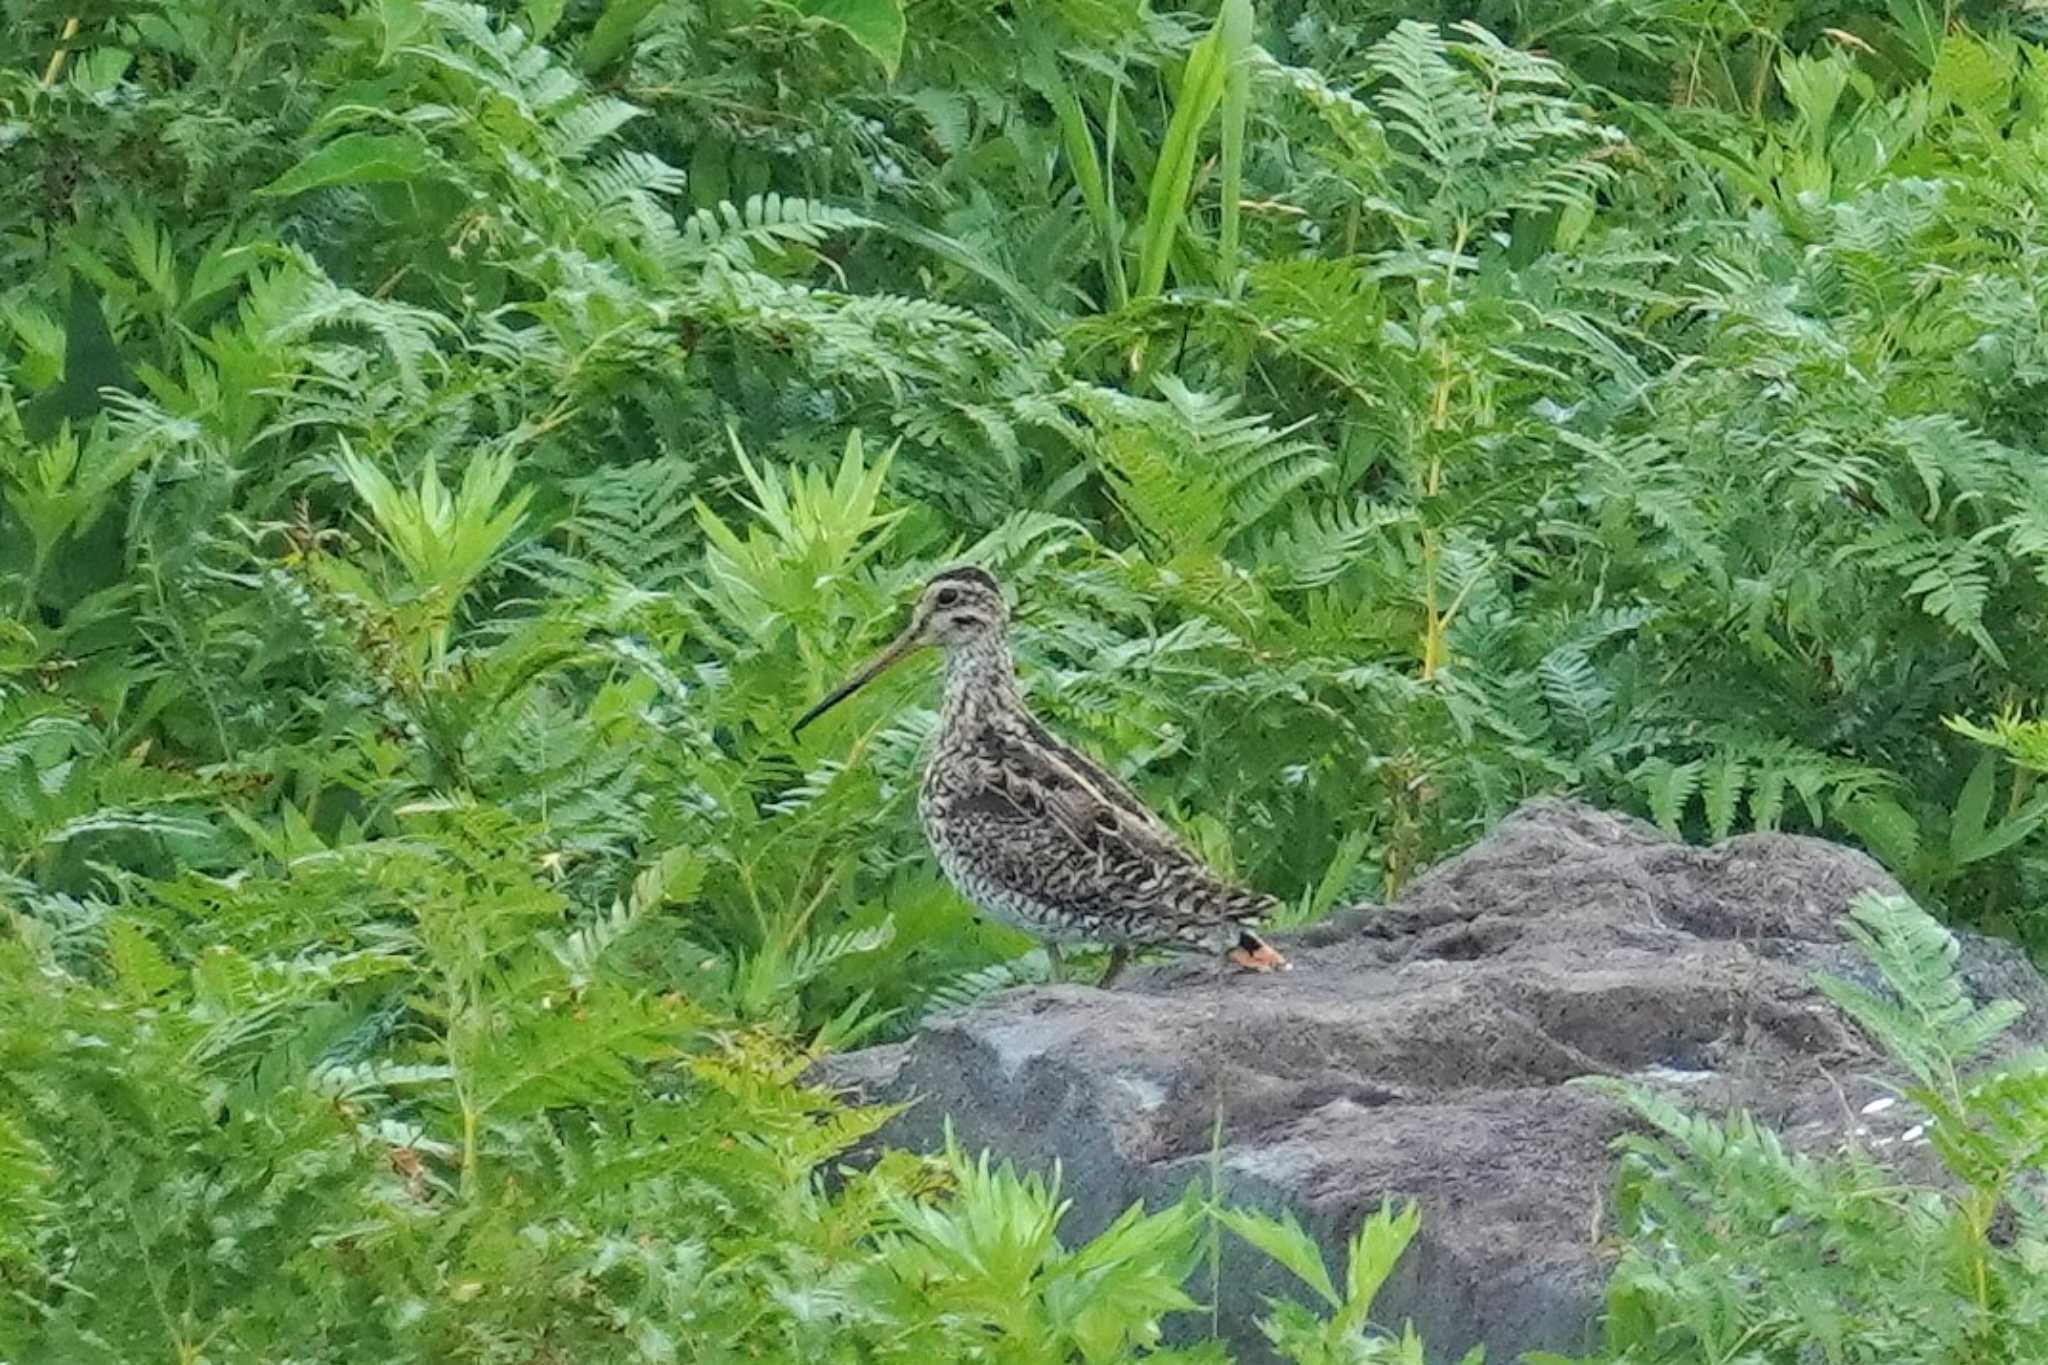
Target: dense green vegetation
(1741, 1251)
(444, 445)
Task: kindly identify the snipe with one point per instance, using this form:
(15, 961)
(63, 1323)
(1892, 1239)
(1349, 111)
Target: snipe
(1031, 832)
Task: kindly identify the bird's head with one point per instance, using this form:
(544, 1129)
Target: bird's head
(961, 607)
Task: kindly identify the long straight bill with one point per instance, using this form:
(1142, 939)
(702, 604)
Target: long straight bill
(905, 643)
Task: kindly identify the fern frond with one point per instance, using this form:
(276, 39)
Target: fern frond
(1323, 539)
(1934, 1028)
(731, 232)
(633, 181)
(2010, 1106)
(635, 520)
(583, 1052)
(297, 302)
(1951, 579)
(360, 1080)
(967, 988)
(1487, 128)
(1574, 689)
(572, 133)
(26, 1177)
(675, 875)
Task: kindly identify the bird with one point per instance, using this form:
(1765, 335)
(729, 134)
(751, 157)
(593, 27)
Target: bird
(1031, 832)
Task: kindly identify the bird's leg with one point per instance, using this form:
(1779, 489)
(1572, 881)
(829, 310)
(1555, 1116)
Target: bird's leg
(1118, 956)
(1055, 969)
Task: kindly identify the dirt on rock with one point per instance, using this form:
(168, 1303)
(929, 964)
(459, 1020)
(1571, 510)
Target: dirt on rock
(1422, 1049)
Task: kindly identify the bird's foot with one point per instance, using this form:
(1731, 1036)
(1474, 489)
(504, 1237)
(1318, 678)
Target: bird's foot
(1118, 956)
(1255, 954)
(1055, 966)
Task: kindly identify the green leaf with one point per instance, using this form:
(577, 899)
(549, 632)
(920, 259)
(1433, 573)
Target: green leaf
(99, 73)
(26, 1172)
(1929, 1021)
(542, 16)
(355, 159)
(1201, 90)
(877, 25)
(612, 32)
(1886, 828)
(92, 362)
(1721, 790)
(139, 967)
(2004, 834)
(1078, 141)
(1286, 1241)
(1374, 1253)
(1236, 107)
(1973, 808)
(1669, 787)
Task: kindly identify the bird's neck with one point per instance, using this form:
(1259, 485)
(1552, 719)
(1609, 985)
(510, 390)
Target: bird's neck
(979, 676)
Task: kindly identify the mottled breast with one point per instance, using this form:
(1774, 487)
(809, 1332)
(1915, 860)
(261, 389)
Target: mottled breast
(987, 859)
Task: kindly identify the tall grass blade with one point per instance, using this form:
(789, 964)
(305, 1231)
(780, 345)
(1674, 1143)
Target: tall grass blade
(1201, 90)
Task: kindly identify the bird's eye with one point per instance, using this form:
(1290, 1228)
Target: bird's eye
(948, 596)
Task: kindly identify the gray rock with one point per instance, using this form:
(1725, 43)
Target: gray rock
(1421, 1049)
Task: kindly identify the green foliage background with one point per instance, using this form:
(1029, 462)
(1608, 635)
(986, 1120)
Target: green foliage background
(444, 444)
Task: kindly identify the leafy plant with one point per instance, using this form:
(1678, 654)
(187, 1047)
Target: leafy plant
(1295, 1331)
(444, 444)
(1740, 1249)
(370, 1099)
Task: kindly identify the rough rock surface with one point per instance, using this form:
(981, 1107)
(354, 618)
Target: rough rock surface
(1422, 1048)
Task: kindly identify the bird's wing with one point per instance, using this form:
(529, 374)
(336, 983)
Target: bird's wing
(1027, 773)
(1099, 780)
(1059, 830)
